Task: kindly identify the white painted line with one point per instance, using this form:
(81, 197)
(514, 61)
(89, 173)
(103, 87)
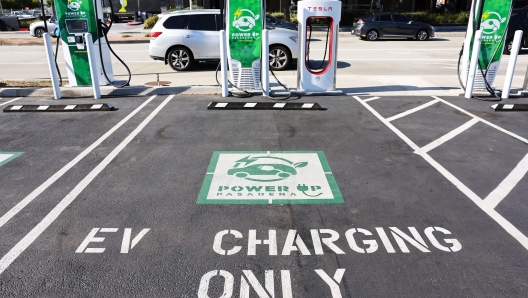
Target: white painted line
(279, 105)
(70, 107)
(406, 113)
(29, 198)
(221, 105)
(4, 157)
(42, 108)
(507, 107)
(369, 99)
(506, 186)
(389, 125)
(250, 105)
(485, 121)
(447, 136)
(23, 244)
(7, 102)
(15, 108)
(96, 107)
(307, 106)
(494, 106)
(505, 224)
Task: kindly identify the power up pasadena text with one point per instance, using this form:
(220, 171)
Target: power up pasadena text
(359, 241)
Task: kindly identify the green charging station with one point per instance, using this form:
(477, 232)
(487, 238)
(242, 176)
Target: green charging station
(76, 18)
(492, 17)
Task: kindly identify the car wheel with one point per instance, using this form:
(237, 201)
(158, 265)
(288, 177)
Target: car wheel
(279, 57)
(372, 35)
(422, 35)
(39, 32)
(508, 47)
(180, 58)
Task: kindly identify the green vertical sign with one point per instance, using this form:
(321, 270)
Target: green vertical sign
(493, 23)
(76, 10)
(245, 30)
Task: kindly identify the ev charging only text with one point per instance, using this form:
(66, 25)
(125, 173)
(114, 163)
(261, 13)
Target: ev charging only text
(323, 241)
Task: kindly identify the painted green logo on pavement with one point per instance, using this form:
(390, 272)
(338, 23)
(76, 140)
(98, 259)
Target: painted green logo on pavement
(285, 177)
(6, 157)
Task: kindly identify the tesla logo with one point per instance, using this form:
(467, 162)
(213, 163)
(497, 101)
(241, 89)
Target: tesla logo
(317, 78)
(319, 8)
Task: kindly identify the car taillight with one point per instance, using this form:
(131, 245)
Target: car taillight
(362, 22)
(154, 35)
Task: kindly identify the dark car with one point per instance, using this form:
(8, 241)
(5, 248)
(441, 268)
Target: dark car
(518, 21)
(391, 26)
(276, 23)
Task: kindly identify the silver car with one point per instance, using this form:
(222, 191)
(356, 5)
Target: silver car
(183, 37)
(37, 29)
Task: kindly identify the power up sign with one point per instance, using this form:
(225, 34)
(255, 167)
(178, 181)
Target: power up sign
(264, 177)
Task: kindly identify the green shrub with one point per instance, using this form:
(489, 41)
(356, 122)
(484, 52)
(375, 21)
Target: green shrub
(439, 18)
(26, 23)
(150, 22)
(186, 8)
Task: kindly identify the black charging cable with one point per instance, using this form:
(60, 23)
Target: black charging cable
(326, 45)
(102, 29)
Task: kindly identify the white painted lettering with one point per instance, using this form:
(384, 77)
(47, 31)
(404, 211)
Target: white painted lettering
(417, 242)
(372, 244)
(332, 283)
(269, 292)
(91, 238)
(334, 236)
(385, 240)
(299, 244)
(126, 245)
(229, 282)
(253, 241)
(456, 246)
(217, 244)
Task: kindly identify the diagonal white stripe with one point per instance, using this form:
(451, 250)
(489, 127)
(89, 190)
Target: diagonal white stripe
(406, 113)
(23, 244)
(447, 136)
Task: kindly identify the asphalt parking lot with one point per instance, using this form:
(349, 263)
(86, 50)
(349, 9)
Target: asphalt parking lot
(385, 196)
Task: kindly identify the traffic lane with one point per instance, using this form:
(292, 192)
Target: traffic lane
(155, 182)
(59, 148)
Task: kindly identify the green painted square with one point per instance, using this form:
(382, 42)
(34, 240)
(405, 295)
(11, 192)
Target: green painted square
(269, 177)
(6, 157)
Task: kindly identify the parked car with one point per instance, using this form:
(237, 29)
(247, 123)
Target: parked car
(391, 26)
(37, 29)
(276, 23)
(181, 38)
(518, 21)
(22, 14)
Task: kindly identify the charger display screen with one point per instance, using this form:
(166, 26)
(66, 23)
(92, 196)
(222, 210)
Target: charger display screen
(77, 26)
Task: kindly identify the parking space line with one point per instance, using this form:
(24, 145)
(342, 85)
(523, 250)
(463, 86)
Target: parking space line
(29, 198)
(23, 244)
(406, 113)
(369, 99)
(448, 136)
(7, 102)
(484, 121)
(503, 222)
(506, 186)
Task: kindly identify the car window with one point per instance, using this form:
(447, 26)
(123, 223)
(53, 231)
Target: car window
(400, 19)
(176, 22)
(202, 22)
(385, 18)
(270, 20)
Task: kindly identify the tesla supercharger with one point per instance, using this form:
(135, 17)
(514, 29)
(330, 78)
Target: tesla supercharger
(310, 79)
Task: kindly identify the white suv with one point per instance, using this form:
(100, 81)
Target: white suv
(183, 37)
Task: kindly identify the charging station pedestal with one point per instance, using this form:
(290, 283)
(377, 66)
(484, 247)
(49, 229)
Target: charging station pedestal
(76, 18)
(324, 79)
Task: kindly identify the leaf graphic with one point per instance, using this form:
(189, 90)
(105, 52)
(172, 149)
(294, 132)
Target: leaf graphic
(300, 164)
(257, 17)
